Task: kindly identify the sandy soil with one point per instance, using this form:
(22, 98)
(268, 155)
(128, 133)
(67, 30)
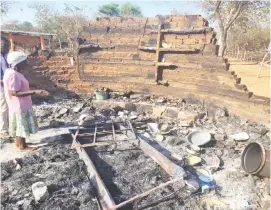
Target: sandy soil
(248, 72)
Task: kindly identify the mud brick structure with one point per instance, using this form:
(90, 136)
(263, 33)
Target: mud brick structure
(142, 54)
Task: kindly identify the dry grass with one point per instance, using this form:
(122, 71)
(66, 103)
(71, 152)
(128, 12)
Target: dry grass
(248, 72)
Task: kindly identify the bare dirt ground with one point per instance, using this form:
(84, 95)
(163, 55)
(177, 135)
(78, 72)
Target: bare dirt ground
(248, 71)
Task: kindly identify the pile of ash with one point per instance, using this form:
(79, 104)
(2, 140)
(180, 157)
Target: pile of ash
(60, 168)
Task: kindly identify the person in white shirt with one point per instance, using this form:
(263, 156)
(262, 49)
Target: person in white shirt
(3, 104)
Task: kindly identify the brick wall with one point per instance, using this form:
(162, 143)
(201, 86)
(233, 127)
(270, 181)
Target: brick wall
(121, 54)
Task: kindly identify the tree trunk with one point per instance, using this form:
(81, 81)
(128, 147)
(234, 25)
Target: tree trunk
(60, 45)
(238, 52)
(224, 28)
(260, 69)
(245, 55)
(223, 44)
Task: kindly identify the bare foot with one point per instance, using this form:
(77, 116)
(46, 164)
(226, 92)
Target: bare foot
(27, 149)
(35, 145)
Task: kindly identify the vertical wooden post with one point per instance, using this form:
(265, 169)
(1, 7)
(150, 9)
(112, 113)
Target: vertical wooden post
(11, 42)
(42, 42)
(158, 45)
(52, 43)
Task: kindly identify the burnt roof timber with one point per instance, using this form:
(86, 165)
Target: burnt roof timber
(27, 33)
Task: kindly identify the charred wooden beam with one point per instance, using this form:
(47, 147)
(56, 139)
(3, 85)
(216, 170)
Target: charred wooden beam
(165, 64)
(94, 45)
(148, 48)
(105, 197)
(178, 50)
(153, 149)
(186, 31)
(156, 152)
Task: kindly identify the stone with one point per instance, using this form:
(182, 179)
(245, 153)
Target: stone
(243, 136)
(144, 108)
(88, 110)
(136, 96)
(158, 111)
(188, 117)
(55, 123)
(40, 191)
(186, 124)
(220, 113)
(18, 167)
(27, 195)
(130, 107)
(200, 116)
(121, 114)
(14, 192)
(220, 137)
(133, 116)
(145, 98)
(161, 100)
(15, 162)
(211, 110)
(154, 180)
(171, 113)
(78, 108)
(264, 131)
(74, 191)
(63, 111)
(20, 203)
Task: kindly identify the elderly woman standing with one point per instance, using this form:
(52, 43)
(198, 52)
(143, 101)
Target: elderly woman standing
(22, 119)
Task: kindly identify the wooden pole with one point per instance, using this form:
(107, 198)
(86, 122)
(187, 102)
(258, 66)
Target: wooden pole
(148, 192)
(158, 45)
(52, 43)
(42, 42)
(11, 42)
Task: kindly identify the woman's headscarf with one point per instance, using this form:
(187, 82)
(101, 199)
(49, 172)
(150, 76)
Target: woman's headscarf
(14, 58)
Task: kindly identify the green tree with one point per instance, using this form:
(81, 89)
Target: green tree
(18, 26)
(70, 24)
(227, 13)
(128, 10)
(66, 24)
(26, 26)
(110, 9)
